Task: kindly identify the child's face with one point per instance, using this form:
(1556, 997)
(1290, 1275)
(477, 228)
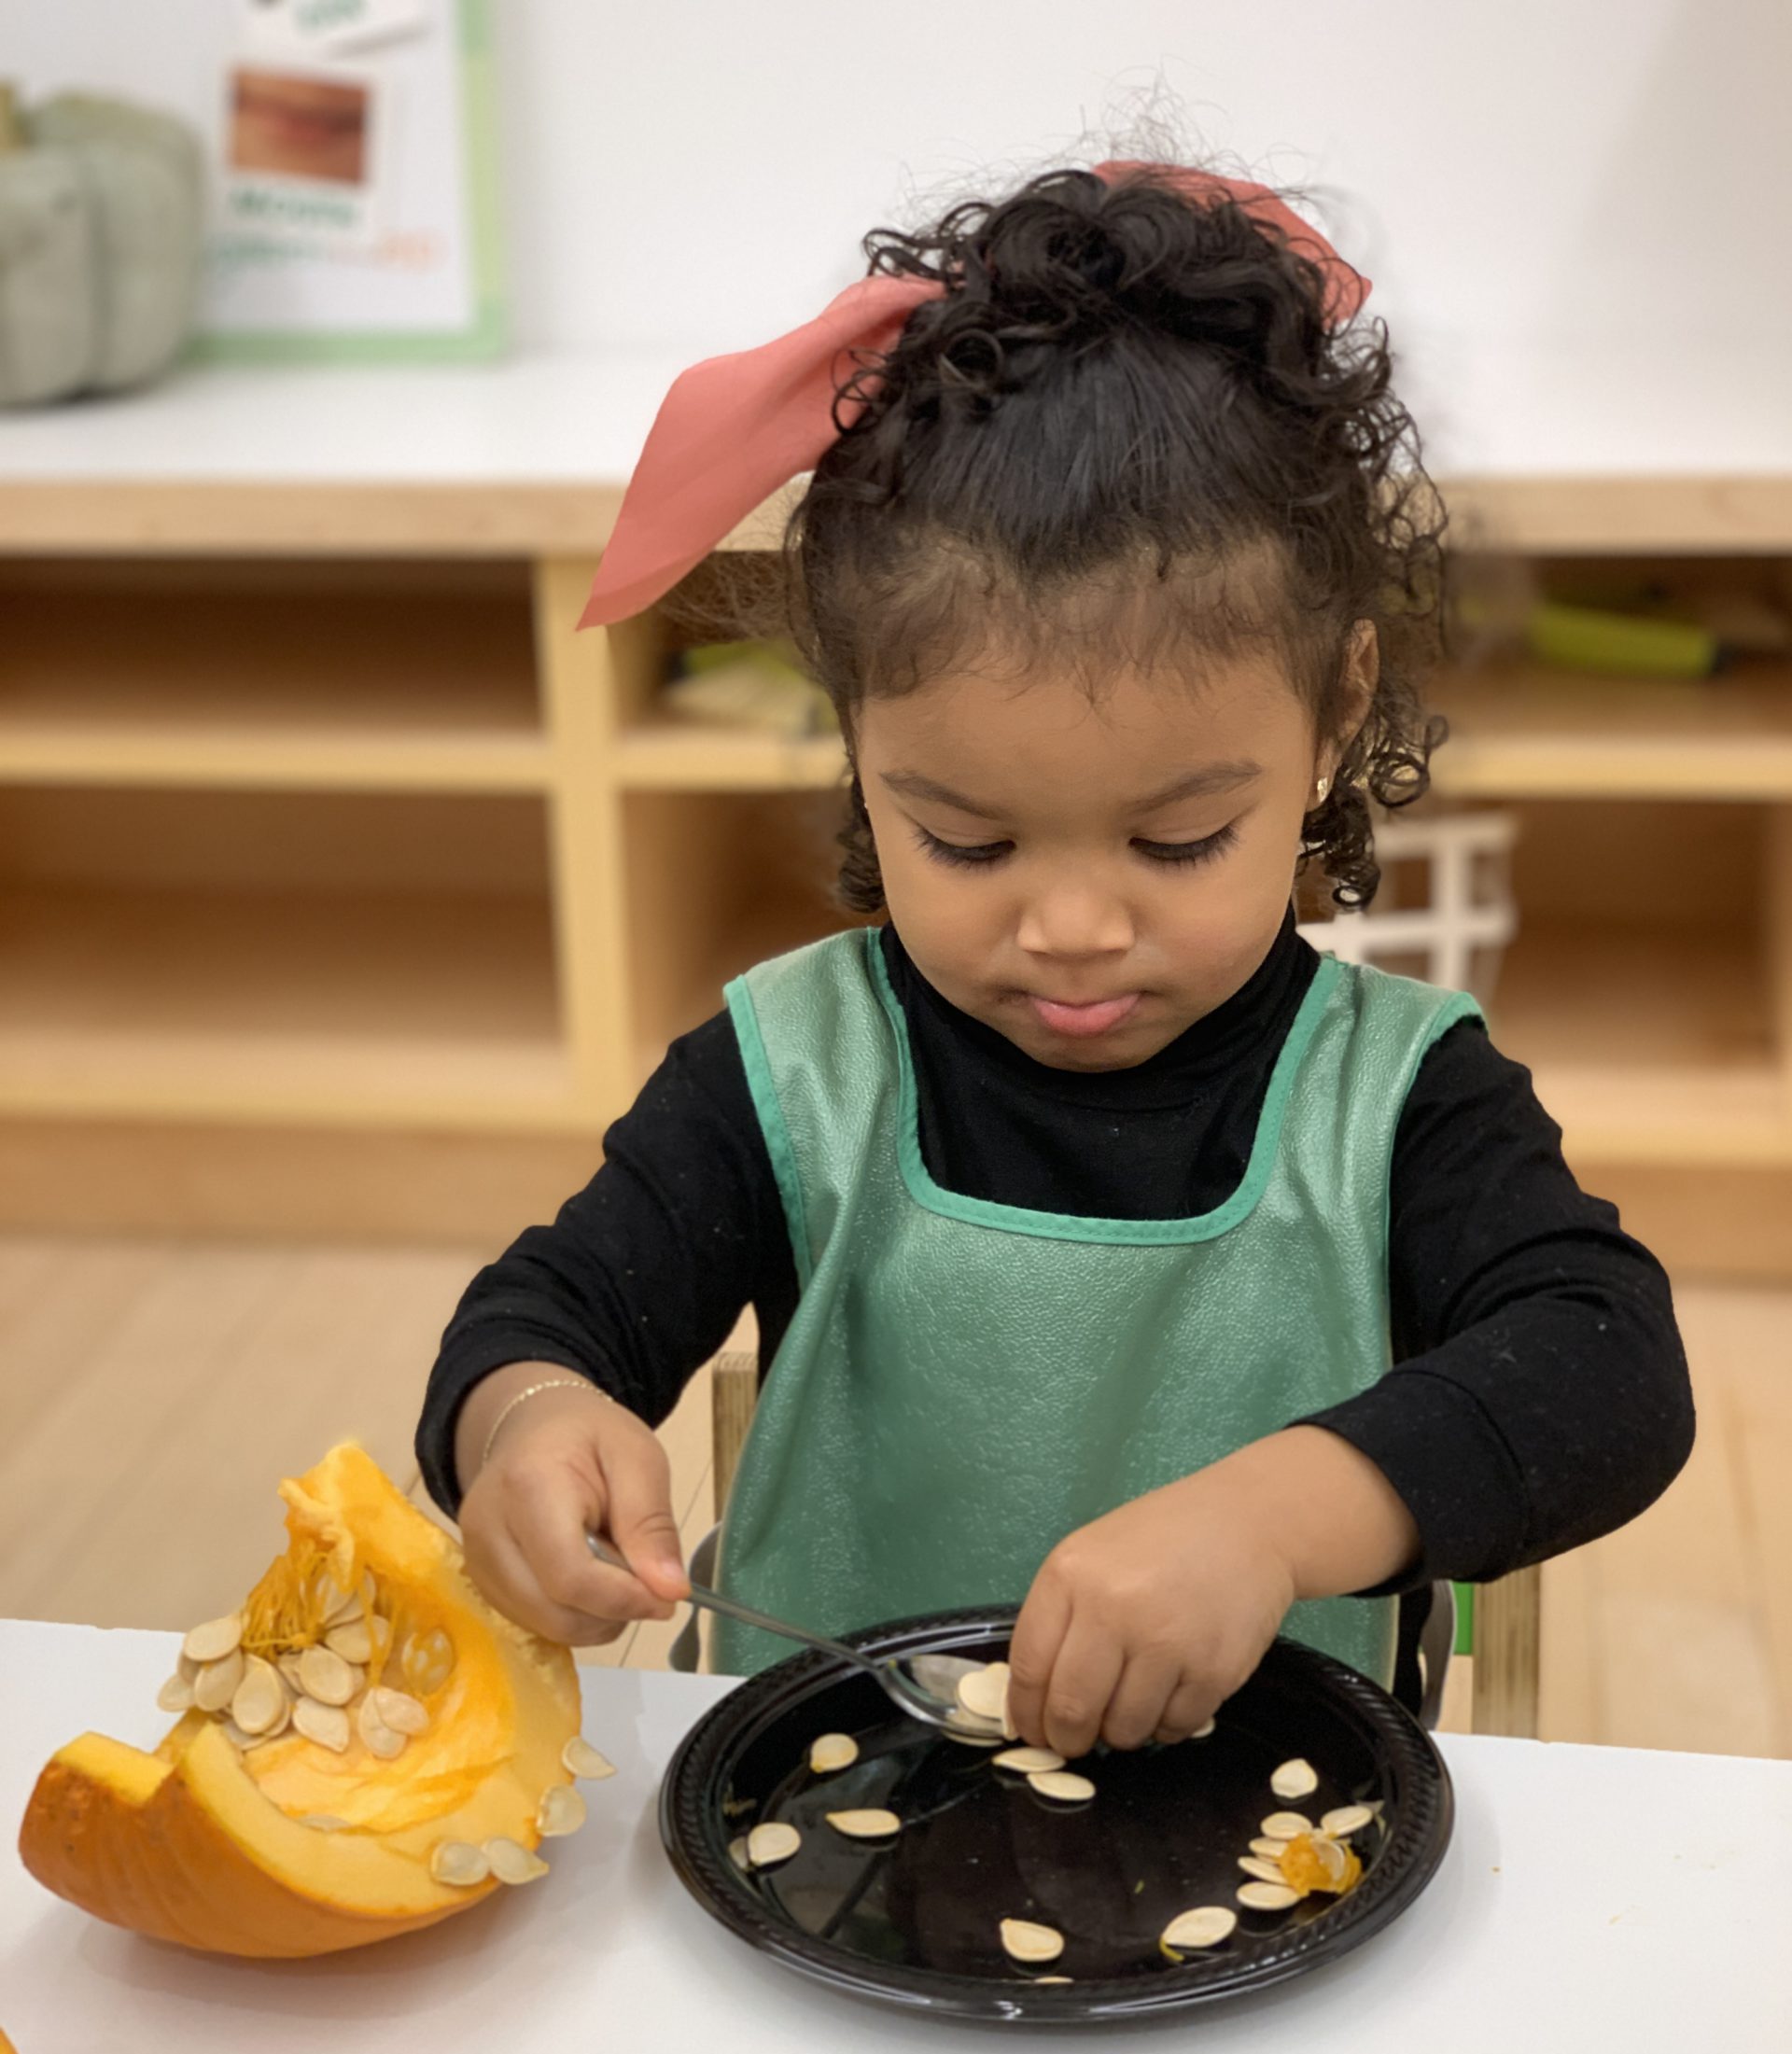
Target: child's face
(1090, 879)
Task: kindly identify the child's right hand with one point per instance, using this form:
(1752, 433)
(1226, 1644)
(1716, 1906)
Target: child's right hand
(568, 1464)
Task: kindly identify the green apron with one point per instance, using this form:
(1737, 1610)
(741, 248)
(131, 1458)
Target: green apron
(964, 1383)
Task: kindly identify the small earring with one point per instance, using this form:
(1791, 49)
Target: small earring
(1323, 787)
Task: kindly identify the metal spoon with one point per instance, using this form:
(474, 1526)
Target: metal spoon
(914, 1697)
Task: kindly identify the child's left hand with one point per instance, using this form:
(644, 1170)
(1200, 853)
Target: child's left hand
(1140, 1624)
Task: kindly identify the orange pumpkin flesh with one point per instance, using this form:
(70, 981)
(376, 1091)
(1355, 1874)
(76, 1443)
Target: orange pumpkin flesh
(200, 1844)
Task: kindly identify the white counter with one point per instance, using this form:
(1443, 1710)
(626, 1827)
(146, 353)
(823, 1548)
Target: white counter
(1592, 1899)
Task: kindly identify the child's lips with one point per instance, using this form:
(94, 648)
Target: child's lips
(1095, 1016)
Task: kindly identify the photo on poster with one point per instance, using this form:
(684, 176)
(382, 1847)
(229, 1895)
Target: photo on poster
(306, 154)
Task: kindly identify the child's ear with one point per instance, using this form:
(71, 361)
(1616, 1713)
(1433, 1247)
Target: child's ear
(1362, 673)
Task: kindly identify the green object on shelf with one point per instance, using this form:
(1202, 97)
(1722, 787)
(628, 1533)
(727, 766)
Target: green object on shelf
(749, 684)
(769, 656)
(1620, 644)
(1465, 1643)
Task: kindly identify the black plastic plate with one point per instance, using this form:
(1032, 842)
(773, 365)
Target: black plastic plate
(914, 1921)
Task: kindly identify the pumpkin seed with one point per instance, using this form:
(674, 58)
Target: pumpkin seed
(1346, 1820)
(175, 1695)
(215, 1640)
(737, 1852)
(772, 1842)
(427, 1662)
(832, 1751)
(1040, 1982)
(326, 1676)
(339, 1604)
(376, 1736)
(968, 1738)
(512, 1862)
(1060, 1783)
(869, 1825)
(562, 1810)
(243, 1742)
(326, 1821)
(1028, 1761)
(1205, 1926)
(287, 1665)
(399, 1711)
(327, 1725)
(261, 1699)
(353, 1642)
(1284, 1825)
(984, 1692)
(460, 1863)
(1027, 1942)
(1296, 1779)
(1269, 1850)
(1201, 1732)
(216, 1683)
(1268, 1896)
(283, 1719)
(579, 1758)
(1266, 1872)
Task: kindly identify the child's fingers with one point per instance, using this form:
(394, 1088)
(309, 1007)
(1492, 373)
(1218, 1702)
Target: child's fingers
(641, 1522)
(548, 1520)
(1192, 1704)
(1088, 1666)
(505, 1579)
(1039, 1634)
(1140, 1700)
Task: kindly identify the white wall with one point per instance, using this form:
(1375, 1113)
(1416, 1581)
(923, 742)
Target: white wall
(1578, 212)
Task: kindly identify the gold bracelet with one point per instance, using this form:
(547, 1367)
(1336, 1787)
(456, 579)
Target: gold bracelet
(533, 1390)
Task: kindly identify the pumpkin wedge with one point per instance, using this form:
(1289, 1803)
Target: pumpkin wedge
(274, 1842)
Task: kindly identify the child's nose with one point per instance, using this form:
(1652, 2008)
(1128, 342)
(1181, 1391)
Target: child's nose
(1075, 919)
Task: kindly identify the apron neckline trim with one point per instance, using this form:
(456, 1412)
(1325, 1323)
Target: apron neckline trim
(1062, 1227)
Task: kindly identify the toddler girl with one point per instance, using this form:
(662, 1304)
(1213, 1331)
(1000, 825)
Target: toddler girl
(1114, 1252)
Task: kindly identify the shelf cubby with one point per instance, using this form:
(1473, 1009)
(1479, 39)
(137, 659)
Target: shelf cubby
(285, 956)
(720, 881)
(270, 675)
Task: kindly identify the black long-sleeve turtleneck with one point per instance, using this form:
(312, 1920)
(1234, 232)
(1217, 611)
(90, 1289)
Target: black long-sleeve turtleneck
(1539, 1397)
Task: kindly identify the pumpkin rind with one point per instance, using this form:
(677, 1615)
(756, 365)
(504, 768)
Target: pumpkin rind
(187, 1844)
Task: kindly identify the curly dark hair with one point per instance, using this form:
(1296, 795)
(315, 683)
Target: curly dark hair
(1124, 434)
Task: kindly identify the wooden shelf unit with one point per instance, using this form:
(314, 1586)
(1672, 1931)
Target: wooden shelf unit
(308, 847)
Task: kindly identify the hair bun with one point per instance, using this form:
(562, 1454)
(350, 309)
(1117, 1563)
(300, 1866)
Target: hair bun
(1073, 257)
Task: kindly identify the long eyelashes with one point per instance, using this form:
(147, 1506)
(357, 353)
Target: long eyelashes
(1203, 851)
(958, 854)
(976, 855)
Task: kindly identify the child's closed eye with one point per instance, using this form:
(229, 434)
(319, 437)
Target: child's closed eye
(1200, 851)
(973, 855)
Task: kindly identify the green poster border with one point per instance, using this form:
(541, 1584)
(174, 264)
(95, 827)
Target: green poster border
(488, 333)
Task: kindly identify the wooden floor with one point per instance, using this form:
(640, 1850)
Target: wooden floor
(152, 1393)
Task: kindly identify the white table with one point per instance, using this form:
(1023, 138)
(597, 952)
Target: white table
(1592, 1899)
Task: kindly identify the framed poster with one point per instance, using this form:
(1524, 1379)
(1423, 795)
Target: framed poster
(354, 198)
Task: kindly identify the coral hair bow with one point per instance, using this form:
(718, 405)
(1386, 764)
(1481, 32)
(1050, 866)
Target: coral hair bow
(731, 430)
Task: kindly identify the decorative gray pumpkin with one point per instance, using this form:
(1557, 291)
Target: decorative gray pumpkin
(102, 220)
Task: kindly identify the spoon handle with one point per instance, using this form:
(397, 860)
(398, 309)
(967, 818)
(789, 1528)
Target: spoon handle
(713, 1600)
